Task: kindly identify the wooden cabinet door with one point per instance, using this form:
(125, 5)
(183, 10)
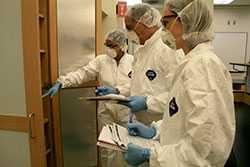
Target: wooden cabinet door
(29, 122)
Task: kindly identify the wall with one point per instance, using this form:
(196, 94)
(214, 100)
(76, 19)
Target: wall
(109, 19)
(14, 146)
(12, 90)
(239, 14)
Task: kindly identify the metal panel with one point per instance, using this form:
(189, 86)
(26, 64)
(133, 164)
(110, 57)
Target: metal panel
(78, 128)
(76, 34)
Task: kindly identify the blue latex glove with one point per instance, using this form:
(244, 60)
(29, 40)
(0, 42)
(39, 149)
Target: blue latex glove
(54, 89)
(101, 91)
(136, 155)
(136, 103)
(139, 129)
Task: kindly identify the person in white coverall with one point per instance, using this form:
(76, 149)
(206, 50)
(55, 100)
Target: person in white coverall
(153, 66)
(113, 71)
(198, 126)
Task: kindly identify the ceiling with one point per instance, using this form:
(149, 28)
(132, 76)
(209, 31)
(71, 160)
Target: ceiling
(159, 3)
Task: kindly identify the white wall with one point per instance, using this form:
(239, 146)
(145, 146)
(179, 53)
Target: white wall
(240, 15)
(14, 146)
(109, 20)
(12, 92)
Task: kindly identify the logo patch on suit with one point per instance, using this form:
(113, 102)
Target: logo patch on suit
(173, 107)
(151, 75)
(130, 74)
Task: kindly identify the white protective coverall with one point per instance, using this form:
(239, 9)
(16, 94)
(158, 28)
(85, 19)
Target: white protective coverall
(153, 70)
(109, 74)
(198, 128)
(112, 75)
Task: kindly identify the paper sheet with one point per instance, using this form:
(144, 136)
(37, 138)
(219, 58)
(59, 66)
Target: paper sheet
(120, 138)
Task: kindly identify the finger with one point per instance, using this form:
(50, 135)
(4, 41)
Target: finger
(53, 93)
(130, 145)
(96, 91)
(100, 94)
(132, 125)
(125, 156)
(124, 103)
(102, 89)
(132, 132)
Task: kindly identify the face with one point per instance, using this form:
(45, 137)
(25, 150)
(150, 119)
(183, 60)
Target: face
(129, 23)
(139, 28)
(171, 22)
(110, 44)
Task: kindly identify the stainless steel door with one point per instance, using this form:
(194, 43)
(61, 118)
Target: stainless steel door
(76, 42)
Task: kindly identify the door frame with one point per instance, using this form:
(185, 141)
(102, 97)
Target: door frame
(32, 73)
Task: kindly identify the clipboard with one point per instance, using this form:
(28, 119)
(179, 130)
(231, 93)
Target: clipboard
(113, 97)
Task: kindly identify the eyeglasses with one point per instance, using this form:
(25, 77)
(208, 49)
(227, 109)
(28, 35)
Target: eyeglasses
(166, 20)
(111, 45)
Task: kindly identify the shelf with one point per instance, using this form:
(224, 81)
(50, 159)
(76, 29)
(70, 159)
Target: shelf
(238, 91)
(240, 64)
(48, 151)
(42, 52)
(41, 16)
(104, 14)
(46, 120)
(238, 71)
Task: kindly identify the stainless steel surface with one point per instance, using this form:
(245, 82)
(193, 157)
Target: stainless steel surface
(76, 34)
(78, 128)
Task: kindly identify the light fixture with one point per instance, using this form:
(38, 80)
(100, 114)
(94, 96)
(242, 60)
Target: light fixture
(222, 2)
(133, 2)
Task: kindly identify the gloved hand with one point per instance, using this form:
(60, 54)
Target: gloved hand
(136, 103)
(101, 91)
(136, 155)
(139, 129)
(54, 89)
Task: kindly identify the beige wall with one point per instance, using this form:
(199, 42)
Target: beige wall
(240, 15)
(109, 19)
(14, 146)
(12, 92)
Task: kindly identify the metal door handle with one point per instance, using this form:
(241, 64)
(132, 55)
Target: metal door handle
(31, 119)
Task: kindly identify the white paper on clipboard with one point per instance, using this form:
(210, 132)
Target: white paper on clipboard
(116, 137)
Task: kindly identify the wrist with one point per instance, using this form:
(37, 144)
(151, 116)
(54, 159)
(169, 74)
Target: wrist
(59, 84)
(145, 103)
(146, 154)
(152, 132)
